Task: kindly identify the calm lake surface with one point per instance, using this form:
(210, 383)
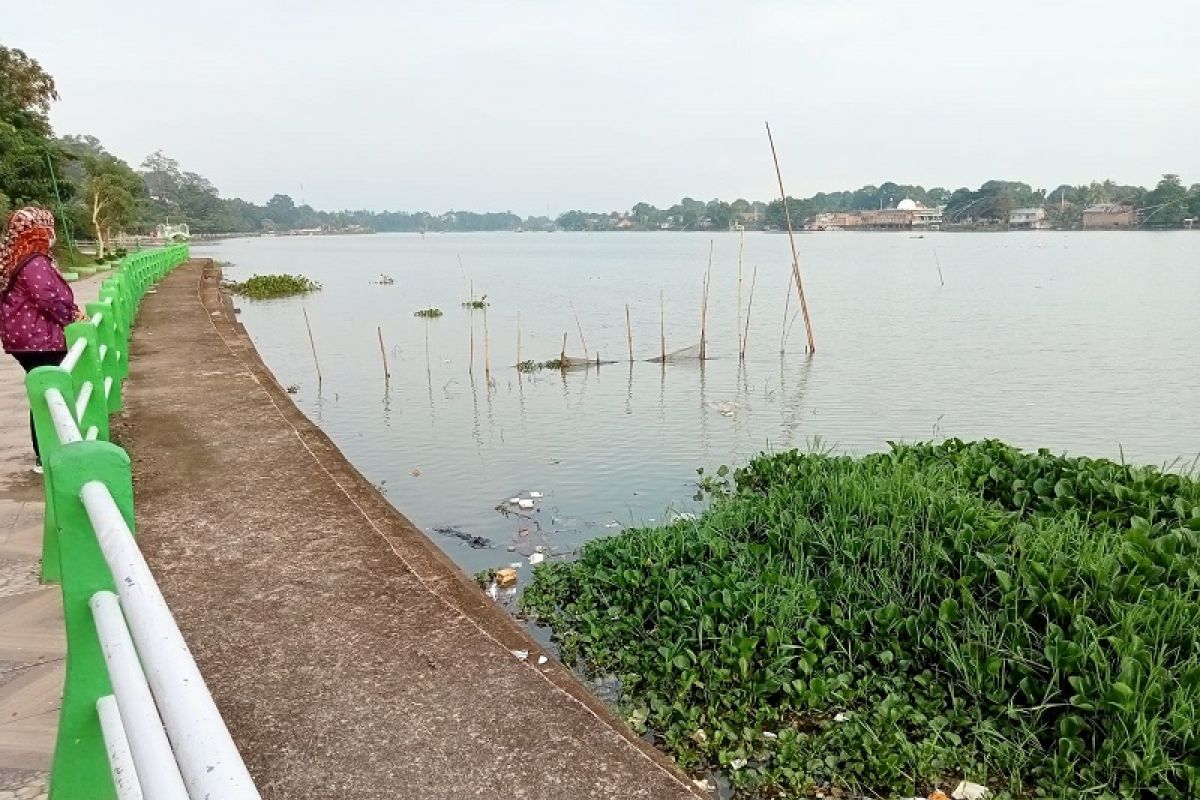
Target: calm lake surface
(1087, 343)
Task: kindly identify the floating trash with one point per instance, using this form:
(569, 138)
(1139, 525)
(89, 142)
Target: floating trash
(970, 791)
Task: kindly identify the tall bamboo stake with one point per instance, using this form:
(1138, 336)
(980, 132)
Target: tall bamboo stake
(749, 305)
(938, 261)
(582, 340)
(704, 304)
(787, 215)
(662, 324)
(787, 307)
(518, 337)
(383, 352)
(471, 363)
(487, 349)
(562, 357)
(741, 247)
(629, 332)
(312, 343)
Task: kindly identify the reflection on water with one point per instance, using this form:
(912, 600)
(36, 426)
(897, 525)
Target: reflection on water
(1072, 341)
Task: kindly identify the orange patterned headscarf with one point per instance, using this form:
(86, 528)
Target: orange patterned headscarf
(30, 231)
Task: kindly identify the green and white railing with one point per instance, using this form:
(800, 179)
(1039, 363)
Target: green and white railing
(137, 720)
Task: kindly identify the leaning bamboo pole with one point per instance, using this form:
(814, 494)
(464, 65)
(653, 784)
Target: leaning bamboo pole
(787, 215)
(582, 340)
(749, 305)
(313, 344)
(629, 332)
(383, 352)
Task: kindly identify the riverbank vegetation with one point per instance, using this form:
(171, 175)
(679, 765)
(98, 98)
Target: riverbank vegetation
(269, 287)
(428, 313)
(896, 622)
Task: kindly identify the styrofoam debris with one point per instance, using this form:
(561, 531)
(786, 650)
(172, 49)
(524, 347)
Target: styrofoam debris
(536, 495)
(841, 716)
(969, 791)
(770, 735)
(542, 660)
(514, 501)
(493, 591)
(524, 503)
(704, 785)
(521, 654)
(537, 558)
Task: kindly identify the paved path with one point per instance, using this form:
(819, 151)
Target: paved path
(32, 647)
(349, 656)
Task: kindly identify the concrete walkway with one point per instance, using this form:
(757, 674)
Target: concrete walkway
(32, 646)
(349, 656)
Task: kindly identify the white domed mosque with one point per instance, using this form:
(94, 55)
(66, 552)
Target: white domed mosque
(908, 204)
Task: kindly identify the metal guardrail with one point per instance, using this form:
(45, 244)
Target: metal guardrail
(137, 719)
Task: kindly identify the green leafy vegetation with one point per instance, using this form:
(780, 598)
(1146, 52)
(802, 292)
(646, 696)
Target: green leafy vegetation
(535, 366)
(476, 304)
(428, 313)
(268, 287)
(897, 621)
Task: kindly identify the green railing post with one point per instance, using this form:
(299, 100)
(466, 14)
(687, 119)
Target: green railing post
(80, 769)
(36, 384)
(87, 370)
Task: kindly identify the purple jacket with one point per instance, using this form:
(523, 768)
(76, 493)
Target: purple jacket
(36, 308)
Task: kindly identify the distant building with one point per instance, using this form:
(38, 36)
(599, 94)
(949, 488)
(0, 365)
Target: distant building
(176, 233)
(1108, 216)
(836, 221)
(1028, 219)
(922, 215)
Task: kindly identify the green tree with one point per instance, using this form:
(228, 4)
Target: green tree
(1167, 204)
(29, 159)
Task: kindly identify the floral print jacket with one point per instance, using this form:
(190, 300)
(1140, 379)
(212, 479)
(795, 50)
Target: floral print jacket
(36, 307)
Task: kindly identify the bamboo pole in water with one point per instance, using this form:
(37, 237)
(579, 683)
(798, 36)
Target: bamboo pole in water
(787, 215)
(313, 344)
(704, 306)
(938, 261)
(629, 332)
(662, 324)
(787, 307)
(741, 247)
(383, 352)
(582, 340)
(562, 357)
(518, 337)
(749, 305)
(487, 349)
(471, 363)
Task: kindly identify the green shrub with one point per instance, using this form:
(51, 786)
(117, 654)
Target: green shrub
(266, 287)
(428, 313)
(893, 622)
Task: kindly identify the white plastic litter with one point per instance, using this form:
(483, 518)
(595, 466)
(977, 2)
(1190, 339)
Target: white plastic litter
(514, 501)
(970, 791)
(737, 763)
(521, 654)
(537, 558)
(841, 716)
(525, 503)
(542, 660)
(536, 495)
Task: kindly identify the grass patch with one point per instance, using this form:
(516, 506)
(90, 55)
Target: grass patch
(894, 622)
(535, 366)
(428, 313)
(268, 287)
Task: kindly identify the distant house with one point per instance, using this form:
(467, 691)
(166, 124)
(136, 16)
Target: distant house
(1108, 216)
(1028, 219)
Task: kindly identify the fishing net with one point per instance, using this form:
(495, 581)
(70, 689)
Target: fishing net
(678, 356)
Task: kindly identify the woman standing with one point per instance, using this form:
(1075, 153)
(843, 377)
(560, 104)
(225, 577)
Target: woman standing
(36, 304)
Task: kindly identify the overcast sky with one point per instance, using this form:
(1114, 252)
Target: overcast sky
(539, 107)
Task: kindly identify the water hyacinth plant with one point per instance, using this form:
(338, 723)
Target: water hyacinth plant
(269, 287)
(428, 313)
(895, 622)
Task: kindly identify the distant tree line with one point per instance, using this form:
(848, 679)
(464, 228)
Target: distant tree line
(97, 194)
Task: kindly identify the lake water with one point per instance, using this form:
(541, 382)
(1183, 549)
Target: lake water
(1078, 342)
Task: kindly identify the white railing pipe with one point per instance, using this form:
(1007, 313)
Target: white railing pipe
(81, 400)
(120, 759)
(73, 355)
(108, 383)
(60, 414)
(207, 757)
(152, 756)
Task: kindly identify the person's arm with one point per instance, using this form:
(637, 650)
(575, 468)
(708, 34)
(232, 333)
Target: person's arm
(49, 292)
